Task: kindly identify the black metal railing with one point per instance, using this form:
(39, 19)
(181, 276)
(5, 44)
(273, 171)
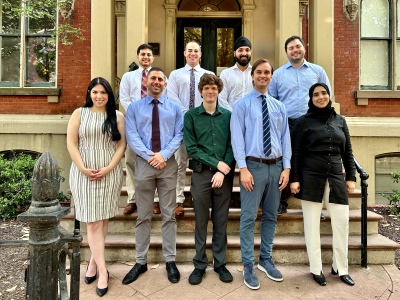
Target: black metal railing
(364, 222)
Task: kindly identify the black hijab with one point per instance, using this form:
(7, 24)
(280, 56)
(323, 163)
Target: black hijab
(325, 112)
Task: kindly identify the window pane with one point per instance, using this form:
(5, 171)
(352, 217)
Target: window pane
(397, 69)
(192, 34)
(41, 61)
(10, 66)
(44, 17)
(10, 21)
(397, 21)
(374, 61)
(225, 41)
(375, 18)
(383, 182)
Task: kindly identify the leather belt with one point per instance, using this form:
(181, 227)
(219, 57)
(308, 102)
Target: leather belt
(271, 161)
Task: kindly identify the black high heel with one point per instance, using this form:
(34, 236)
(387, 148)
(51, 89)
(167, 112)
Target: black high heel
(320, 279)
(333, 272)
(89, 280)
(102, 292)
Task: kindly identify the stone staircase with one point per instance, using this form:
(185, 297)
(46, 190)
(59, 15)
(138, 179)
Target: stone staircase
(289, 244)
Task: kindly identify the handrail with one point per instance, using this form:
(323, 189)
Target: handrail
(364, 202)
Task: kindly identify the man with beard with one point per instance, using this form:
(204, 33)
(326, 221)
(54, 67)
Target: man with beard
(237, 79)
(290, 85)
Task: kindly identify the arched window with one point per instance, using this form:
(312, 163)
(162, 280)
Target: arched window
(384, 165)
(209, 5)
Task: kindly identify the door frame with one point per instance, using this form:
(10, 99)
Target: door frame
(208, 35)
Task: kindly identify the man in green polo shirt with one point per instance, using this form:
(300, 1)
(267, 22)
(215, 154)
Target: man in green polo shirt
(208, 142)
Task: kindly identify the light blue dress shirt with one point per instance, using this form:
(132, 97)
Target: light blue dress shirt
(290, 86)
(139, 126)
(247, 129)
(179, 86)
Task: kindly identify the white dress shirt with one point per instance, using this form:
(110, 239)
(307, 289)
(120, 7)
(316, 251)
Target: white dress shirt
(130, 87)
(179, 86)
(237, 84)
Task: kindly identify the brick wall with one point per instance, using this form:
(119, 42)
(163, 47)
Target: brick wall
(73, 74)
(346, 45)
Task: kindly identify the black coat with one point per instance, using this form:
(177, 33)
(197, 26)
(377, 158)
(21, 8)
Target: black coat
(318, 149)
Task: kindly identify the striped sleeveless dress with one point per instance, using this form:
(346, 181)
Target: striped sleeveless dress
(95, 200)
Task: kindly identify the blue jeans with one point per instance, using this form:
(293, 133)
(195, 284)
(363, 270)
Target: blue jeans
(265, 191)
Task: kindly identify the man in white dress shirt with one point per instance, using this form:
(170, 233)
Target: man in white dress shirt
(237, 79)
(133, 88)
(182, 88)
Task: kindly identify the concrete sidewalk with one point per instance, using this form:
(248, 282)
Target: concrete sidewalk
(376, 282)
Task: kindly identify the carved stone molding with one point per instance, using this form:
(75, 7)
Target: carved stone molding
(350, 9)
(120, 8)
(302, 7)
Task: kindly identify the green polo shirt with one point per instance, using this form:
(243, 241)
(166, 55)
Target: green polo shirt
(207, 137)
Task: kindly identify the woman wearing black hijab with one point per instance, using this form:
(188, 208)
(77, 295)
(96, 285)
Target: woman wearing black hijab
(320, 144)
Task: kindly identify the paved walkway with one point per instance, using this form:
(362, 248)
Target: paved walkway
(376, 282)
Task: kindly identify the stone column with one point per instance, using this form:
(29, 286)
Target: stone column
(170, 35)
(136, 27)
(284, 28)
(321, 36)
(122, 65)
(103, 40)
(248, 19)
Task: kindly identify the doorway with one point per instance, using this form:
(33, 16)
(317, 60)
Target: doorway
(216, 38)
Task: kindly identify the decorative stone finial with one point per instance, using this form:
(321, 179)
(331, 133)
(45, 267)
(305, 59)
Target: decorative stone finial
(45, 185)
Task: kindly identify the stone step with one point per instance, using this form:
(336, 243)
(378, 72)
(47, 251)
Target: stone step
(287, 249)
(354, 198)
(290, 223)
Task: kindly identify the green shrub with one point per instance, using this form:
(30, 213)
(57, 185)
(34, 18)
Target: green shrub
(16, 170)
(394, 196)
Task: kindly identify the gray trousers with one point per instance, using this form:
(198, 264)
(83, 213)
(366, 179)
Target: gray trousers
(147, 179)
(220, 198)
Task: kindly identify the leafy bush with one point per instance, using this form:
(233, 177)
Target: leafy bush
(16, 172)
(394, 196)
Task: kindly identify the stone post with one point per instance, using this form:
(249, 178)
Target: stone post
(43, 217)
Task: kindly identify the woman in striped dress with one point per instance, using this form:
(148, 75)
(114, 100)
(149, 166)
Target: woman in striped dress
(96, 142)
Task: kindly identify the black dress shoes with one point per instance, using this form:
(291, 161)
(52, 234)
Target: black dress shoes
(320, 279)
(333, 272)
(134, 273)
(102, 292)
(347, 279)
(89, 280)
(173, 273)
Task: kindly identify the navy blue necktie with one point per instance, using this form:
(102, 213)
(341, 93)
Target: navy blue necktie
(266, 127)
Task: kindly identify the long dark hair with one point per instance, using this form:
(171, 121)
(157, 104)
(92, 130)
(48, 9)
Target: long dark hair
(110, 124)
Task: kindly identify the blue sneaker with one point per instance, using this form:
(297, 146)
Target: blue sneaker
(268, 267)
(250, 277)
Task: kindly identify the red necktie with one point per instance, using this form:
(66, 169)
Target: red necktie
(155, 131)
(143, 91)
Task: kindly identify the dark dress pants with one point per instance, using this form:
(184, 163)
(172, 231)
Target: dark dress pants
(203, 194)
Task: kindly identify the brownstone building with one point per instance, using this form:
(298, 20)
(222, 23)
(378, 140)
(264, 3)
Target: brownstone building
(356, 41)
